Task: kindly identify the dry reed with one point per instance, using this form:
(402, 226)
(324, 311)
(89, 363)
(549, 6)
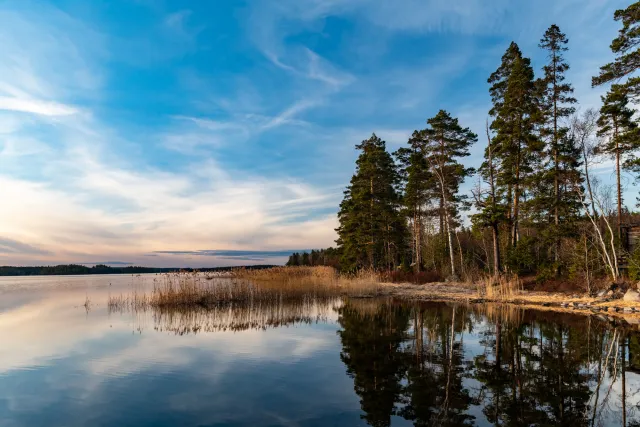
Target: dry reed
(499, 287)
(247, 287)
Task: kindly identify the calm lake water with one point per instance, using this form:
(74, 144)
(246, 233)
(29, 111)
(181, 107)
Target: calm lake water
(336, 363)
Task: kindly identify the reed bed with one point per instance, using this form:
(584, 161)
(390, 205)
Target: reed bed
(500, 287)
(364, 282)
(247, 287)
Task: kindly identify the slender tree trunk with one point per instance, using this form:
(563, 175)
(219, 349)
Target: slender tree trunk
(492, 185)
(618, 183)
(496, 249)
(448, 225)
(556, 171)
(418, 235)
(373, 245)
(516, 200)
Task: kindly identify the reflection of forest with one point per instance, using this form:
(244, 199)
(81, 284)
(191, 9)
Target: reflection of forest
(438, 364)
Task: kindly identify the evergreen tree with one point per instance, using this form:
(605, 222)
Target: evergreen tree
(561, 203)
(305, 259)
(514, 145)
(416, 179)
(627, 51)
(491, 208)
(371, 230)
(444, 142)
(294, 260)
(619, 135)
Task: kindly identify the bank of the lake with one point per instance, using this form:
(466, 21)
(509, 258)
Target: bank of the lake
(548, 301)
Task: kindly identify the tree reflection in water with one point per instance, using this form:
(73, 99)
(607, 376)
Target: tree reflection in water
(445, 365)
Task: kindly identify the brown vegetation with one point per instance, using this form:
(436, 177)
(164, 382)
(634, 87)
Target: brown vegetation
(248, 287)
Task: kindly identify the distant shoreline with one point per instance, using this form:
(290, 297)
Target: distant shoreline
(78, 270)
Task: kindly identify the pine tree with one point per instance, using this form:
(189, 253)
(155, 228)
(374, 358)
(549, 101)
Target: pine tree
(627, 51)
(305, 259)
(514, 145)
(560, 173)
(415, 176)
(492, 210)
(444, 142)
(619, 135)
(371, 231)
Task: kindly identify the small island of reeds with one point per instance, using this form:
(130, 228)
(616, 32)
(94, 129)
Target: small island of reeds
(246, 286)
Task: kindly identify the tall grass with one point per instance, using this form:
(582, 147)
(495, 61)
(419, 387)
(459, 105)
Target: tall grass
(247, 286)
(500, 287)
(327, 279)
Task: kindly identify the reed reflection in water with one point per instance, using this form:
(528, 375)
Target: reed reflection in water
(239, 316)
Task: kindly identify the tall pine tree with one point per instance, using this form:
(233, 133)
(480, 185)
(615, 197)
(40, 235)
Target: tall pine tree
(557, 200)
(626, 47)
(445, 142)
(619, 133)
(371, 230)
(416, 179)
(491, 209)
(514, 146)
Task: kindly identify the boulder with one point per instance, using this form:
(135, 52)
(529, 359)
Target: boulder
(631, 296)
(601, 293)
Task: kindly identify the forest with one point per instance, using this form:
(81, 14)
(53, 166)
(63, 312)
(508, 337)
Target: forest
(76, 269)
(537, 206)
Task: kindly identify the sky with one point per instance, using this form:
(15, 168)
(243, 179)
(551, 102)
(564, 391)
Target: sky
(193, 133)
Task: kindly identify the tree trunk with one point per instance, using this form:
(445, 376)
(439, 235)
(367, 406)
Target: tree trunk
(492, 185)
(618, 183)
(448, 226)
(496, 249)
(556, 185)
(373, 245)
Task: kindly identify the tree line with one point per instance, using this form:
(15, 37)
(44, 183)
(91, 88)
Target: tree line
(536, 206)
(328, 257)
(78, 269)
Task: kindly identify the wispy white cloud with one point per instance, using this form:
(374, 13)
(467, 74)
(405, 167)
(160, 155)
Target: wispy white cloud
(36, 107)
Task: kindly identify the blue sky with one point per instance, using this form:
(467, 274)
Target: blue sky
(207, 133)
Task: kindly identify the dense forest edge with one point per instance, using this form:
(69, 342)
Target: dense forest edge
(76, 269)
(537, 209)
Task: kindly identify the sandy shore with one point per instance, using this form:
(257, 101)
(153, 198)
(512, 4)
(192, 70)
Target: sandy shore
(466, 293)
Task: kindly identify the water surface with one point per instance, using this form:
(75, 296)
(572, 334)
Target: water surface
(67, 360)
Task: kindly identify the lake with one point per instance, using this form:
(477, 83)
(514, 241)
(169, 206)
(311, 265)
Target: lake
(68, 359)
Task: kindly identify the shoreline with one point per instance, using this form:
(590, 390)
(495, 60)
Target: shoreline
(543, 301)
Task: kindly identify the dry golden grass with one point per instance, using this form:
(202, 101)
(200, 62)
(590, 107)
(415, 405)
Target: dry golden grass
(500, 287)
(247, 287)
(364, 282)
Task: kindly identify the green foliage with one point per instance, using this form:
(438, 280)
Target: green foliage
(327, 257)
(625, 48)
(529, 208)
(524, 258)
(556, 203)
(515, 149)
(371, 231)
(634, 265)
(616, 126)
